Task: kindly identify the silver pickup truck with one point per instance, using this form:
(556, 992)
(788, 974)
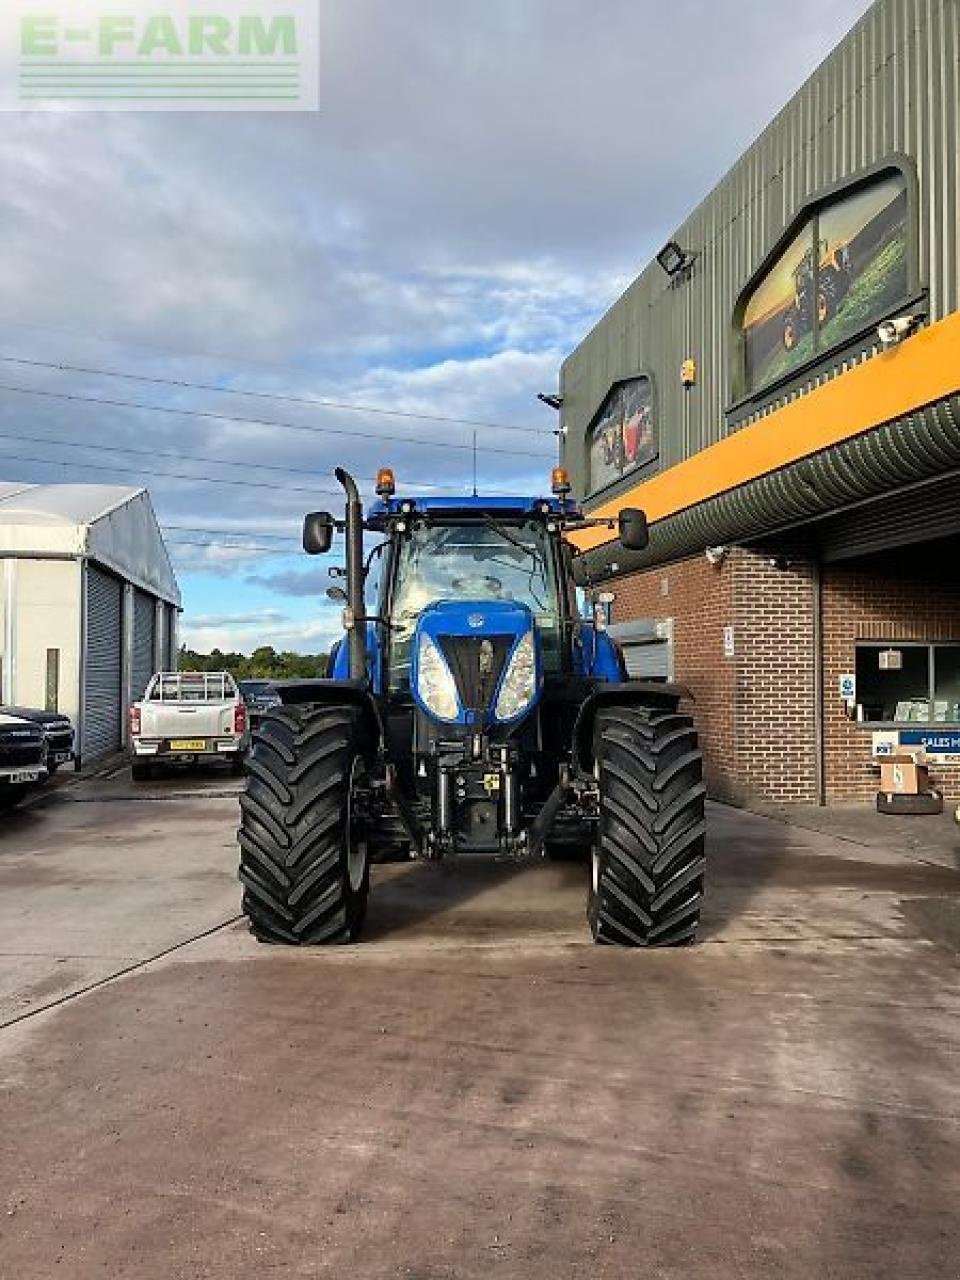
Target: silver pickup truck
(186, 717)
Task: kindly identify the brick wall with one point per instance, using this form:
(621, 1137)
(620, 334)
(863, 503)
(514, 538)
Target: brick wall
(754, 709)
(776, 676)
(904, 597)
(699, 598)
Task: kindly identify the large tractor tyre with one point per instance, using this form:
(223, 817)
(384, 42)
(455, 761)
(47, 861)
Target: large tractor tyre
(648, 861)
(304, 862)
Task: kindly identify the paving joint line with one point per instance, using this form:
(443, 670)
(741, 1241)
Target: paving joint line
(125, 972)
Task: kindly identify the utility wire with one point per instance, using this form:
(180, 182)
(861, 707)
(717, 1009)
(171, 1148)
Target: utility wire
(164, 475)
(256, 422)
(178, 456)
(233, 533)
(156, 453)
(225, 546)
(349, 407)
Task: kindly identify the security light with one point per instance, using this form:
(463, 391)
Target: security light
(552, 402)
(672, 258)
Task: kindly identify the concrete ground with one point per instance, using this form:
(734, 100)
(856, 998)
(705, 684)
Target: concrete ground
(476, 1089)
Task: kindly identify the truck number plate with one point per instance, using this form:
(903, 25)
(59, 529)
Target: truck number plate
(188, 744)
(25, 775)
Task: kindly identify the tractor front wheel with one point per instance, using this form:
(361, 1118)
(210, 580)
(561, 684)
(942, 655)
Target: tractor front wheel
(304, 861)
(648, 861)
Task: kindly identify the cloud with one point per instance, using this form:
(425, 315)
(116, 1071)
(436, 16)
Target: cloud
(307, 637)
(478, 186)
(307, 583)
(262, 617)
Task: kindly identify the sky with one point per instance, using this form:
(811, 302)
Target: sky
(478, 186)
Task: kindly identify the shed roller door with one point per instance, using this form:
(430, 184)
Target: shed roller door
(647, 661)
(102, 710)
(169, 638)
(144, 622)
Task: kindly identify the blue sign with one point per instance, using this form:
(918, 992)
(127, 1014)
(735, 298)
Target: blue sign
(937, 744)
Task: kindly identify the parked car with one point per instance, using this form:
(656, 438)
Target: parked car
(186, 717)
(260, 697)
(57, 729)
(23, 759)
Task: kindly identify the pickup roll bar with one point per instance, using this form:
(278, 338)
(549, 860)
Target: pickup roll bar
(357, 630)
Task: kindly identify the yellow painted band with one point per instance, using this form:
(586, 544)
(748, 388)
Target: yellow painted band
(917, 372)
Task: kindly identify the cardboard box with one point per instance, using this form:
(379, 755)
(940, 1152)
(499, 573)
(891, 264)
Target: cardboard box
(904, 775)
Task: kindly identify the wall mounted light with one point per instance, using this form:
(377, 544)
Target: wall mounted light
(673, 259)
(688, 373)
(552, 402)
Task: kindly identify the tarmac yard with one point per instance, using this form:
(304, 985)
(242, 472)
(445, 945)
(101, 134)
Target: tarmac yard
(477, 1089)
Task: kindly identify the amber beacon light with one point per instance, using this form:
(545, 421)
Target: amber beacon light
(386, 484)
(560, 481)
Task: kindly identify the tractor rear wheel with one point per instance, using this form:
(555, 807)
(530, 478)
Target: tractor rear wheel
(648, 862)
(304, 862)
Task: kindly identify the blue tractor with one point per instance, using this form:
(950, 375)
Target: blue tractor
(471, 710)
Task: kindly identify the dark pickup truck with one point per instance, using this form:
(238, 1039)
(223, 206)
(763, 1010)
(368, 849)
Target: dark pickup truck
(57, 729)
(23, 759)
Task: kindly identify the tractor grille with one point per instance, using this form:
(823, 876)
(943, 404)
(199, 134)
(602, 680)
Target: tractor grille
(476, 663)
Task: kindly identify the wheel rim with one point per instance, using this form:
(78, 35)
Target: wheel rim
(356, 849)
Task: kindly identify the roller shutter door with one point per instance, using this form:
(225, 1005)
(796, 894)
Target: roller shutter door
(647, 661)
(144, 621)
(169, 638)
(102, 710)
(647, 645)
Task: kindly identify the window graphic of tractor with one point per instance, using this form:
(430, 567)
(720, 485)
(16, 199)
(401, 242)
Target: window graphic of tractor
(816, 293)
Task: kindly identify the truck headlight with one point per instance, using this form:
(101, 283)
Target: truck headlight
(435, 684)
(519, 684)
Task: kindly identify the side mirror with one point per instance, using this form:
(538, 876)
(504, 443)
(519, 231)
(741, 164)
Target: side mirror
(634, 533)
(318, 533)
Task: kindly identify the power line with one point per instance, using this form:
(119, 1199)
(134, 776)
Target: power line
(225, 546)
(169, 475)
(232, 533)
(179, 456)
(256, 422)
(164, 475)
(348, 406)
(155, 453)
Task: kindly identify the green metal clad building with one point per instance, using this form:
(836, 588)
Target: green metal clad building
(780, 390)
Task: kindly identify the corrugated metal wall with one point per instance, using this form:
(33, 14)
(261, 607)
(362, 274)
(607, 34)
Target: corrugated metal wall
(144, 620)
(890, 89)
(102, 725)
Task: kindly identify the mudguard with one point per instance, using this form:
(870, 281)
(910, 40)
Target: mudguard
(646, 693)
(333, 693)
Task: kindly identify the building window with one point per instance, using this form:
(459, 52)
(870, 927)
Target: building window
(908, 683)
(844, 271)
(623, 435)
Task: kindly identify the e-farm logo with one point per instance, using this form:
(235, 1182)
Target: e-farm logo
(175, 55)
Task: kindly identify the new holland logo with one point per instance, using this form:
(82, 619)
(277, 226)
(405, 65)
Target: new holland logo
(476, 620)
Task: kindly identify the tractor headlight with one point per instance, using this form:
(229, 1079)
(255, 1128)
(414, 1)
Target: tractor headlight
(435, 684)
(519, 684)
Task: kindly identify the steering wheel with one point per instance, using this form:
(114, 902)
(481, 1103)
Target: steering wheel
(481, 583)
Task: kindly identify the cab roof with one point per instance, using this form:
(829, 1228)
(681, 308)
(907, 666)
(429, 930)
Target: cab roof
(383, 510)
